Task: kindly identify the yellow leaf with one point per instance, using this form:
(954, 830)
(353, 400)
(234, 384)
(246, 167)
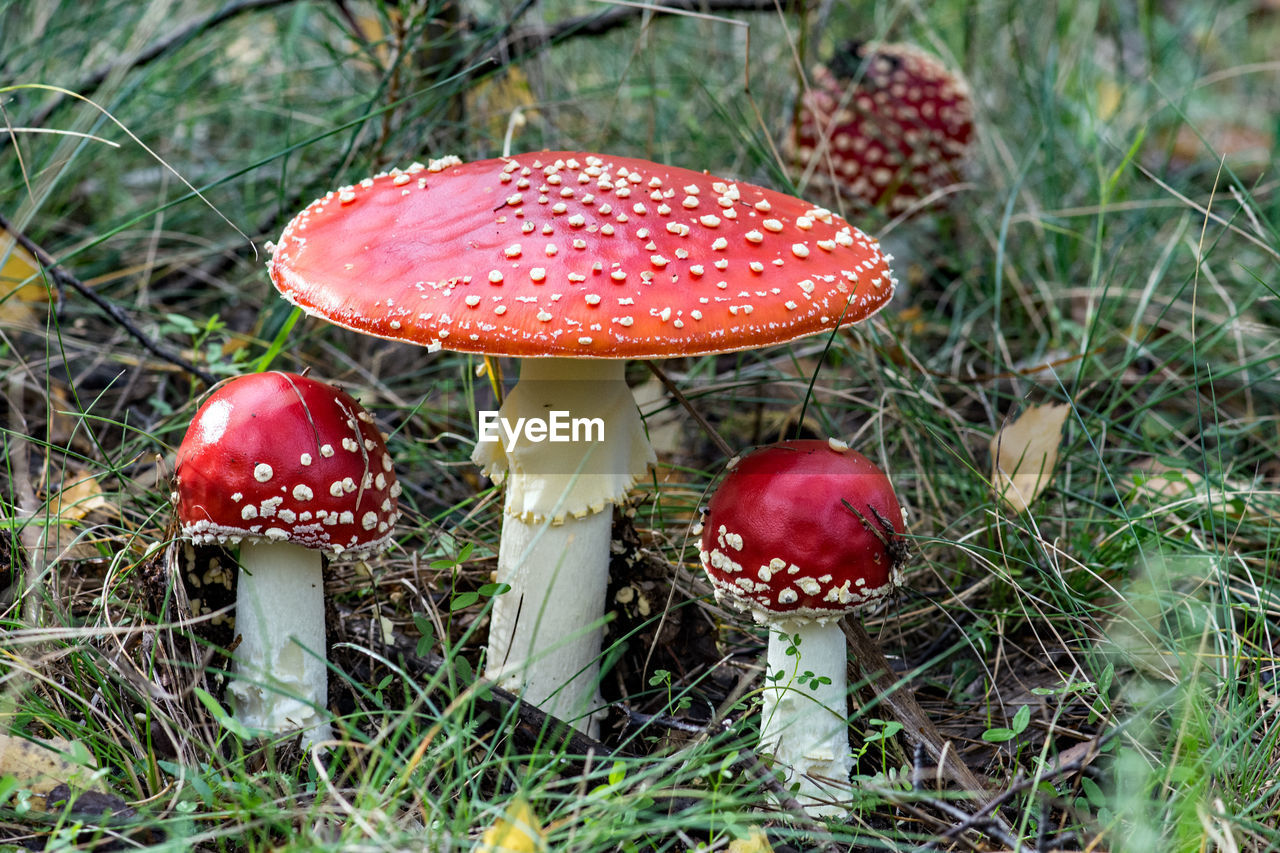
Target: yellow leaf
(40, 767)
(755, 842)
(517, 831)
(21, 284)
(500, 99)
(1024, 453)
(77, 500)
(1110, 96)
(1158, 480)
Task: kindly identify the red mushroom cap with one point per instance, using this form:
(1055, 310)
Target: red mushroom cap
(895, 122)
(580, 255)
(802, 529)
(281, 457)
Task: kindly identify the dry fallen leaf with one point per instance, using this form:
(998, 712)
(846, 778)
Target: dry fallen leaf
(78, 500)
(755, 842)
(517, 831)
(1024, 453)
(1183, 489)
(21, 285)
(41, 766)
(1242, 146)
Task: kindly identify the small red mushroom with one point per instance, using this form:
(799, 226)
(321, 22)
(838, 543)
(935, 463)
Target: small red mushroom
(800, 533)
(289, 468)
(572, 262)
(886, 124)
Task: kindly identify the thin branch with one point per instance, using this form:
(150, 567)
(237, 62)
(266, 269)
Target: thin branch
(532, 39)
(63, 279)
(869, 661)
(715, 437)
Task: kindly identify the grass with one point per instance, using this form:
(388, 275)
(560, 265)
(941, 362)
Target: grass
(1106, 661)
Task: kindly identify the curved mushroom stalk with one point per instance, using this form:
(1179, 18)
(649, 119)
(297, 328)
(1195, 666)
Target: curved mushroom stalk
(804, 718)
(545, 633)
(282, 682)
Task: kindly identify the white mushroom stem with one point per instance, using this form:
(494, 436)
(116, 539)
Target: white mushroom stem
(803, 723)
(562, 478)
(281, 682)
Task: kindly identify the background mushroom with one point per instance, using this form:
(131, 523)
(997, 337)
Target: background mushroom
(800, 533)
(290, 469)
(572, 262)
(883, 124)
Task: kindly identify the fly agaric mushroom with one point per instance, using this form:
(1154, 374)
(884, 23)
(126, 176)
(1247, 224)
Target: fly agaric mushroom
(572, 262)
(800, 533)
(291, 469)
(887, 124)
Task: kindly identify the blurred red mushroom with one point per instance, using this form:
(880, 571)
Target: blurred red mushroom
(573, 262)
(289, 468)
(883, 124)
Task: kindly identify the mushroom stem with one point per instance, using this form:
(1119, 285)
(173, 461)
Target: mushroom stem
(545, 634)
(282, 680)
(804, 717)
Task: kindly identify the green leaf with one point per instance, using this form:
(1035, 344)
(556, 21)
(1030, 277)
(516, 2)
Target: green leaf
(221, 717)
(1092, 792)
(463, 600)
(1021, 719)
(427, 632)
(462, 667)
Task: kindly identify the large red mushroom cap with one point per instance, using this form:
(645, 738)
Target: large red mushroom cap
(884, 123)
(803, 529)
(282, 457)
(579, 255)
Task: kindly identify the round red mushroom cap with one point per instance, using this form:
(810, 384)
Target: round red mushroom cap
(282, 457)
(803, 529)
(579, 255)
(895, 122)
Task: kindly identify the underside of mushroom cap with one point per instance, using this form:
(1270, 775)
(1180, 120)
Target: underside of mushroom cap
(576, 477)
(576, 255)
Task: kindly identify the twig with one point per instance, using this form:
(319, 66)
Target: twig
(64, 279)
(989, 825)
(32, 537)
(715, 437)
(869, 661)
(535, 38)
